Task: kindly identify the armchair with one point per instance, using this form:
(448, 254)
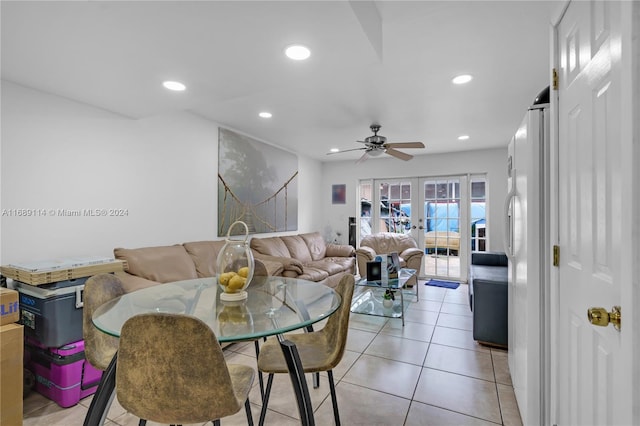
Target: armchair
(388, 242)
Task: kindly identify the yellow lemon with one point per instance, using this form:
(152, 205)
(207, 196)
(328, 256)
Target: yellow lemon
(235, 283)
(244, 271)
(226, 277)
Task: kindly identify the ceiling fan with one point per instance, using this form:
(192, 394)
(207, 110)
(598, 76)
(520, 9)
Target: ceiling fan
(376, 145)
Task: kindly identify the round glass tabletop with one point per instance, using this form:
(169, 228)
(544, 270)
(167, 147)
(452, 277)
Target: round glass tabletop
(275, 305)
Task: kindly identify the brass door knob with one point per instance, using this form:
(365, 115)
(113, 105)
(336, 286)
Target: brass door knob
(602, 318)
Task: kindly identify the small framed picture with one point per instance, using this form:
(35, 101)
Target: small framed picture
(339, 194)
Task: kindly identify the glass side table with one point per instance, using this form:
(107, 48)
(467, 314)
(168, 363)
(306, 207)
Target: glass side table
(370, 300)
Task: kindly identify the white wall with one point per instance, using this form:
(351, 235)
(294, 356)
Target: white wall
(60, 154)
(493, 162)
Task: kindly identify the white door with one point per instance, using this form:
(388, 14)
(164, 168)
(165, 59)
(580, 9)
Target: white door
(596, 199)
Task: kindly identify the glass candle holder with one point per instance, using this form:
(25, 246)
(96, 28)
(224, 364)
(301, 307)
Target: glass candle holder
(235, 266)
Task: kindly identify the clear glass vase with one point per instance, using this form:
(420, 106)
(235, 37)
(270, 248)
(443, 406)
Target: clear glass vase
(235, 266)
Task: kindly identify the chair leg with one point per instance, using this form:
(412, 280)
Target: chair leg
(334, 398)
(247, 408)
(216, 422)
(260, 379)
(142, 422)
(265, 400)
(316, 380)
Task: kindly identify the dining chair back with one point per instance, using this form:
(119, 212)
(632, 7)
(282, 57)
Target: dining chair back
(319, 351)
(171, 370)
(99, 347)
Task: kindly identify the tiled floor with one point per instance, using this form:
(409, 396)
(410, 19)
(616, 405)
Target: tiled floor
(429, 372)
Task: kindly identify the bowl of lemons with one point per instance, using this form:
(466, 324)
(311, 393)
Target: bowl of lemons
(235, 266)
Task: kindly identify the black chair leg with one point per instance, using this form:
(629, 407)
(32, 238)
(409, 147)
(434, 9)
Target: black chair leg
(247, 408)
(142, 422)
(257, 346)
(216, 422)
(265, 400)
(334, 398)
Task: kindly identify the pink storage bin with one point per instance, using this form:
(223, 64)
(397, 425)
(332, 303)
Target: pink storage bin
(62, 374)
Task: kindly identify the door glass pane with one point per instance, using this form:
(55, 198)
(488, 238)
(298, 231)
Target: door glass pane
(477, 215)
(365, 208)
(393, 216)
(442, 227)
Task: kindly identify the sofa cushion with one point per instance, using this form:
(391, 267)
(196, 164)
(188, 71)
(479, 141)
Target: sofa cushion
(297, 248)
(347, 264)
(325, 265)
(162, 264)
(272, 246)
(205, 256)
(316, 245)
(313, 274)
(387, 242)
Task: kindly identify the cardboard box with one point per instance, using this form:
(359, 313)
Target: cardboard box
(9, 307)
(11, 372)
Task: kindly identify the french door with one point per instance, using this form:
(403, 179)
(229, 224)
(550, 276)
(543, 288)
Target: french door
(432, 211)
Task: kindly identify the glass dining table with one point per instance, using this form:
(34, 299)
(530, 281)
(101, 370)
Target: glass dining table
(275, 305)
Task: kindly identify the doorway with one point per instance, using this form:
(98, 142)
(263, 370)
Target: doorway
(431, 210)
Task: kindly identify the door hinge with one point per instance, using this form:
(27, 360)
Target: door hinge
(556, 256)
(555, 79)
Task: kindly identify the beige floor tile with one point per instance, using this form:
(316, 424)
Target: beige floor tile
(465, 395)
(348, 359)
(367, 322)
(456, 309)
(435, 294)
(34, 401)
(457, 338)
(385, 375)
(358, 340)
(361, 406)
(428, 415)
(398, 349)
(54, 415)
(424, 317)
(508, 406)
(410, 330)
(460, 322)
(272, 418)
(459, 295)
(501, 367)
(426, 305)
(282, 398)
(460, 361)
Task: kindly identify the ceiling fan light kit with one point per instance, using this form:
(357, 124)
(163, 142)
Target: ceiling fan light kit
(377, 145)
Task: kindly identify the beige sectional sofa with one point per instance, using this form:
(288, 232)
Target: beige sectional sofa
(307, 256)
(304, 256)
(148, 266)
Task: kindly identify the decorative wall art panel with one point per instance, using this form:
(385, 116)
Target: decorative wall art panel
(257, 183)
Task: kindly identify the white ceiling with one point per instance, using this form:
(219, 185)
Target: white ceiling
(389, 62)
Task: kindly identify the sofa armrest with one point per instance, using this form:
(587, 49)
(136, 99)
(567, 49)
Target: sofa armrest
(288, 264)
(340, 250)
(411, 253)
(364, 254)
(132, 283)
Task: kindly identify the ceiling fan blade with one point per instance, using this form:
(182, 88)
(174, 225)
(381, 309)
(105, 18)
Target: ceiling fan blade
(363, 158)
(405, 145)
(345, 150)
(398, 154)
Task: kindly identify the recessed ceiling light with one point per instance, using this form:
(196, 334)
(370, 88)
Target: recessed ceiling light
(297, 52)
(463, 137)
(462, 79)
(265, 114)
(334, 150)
(174, 85)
